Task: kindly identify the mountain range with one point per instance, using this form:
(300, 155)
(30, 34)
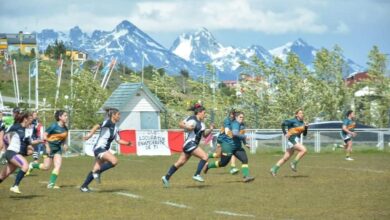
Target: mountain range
(190, 51)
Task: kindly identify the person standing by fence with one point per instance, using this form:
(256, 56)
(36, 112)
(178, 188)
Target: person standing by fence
(296, 127)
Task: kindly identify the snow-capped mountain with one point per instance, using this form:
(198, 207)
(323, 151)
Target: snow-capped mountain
(190, 51)
(307, 54)
(126, 42)
(201, 48)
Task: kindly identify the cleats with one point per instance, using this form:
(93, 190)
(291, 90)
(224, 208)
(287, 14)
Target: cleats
(52, 186)
(165, 181)
(272, 172)
(234, 170)
(248, 179)
(30, 168)
(349, 158)
(15, 189)
(293, 167)
(96, 176)
(198, 178)
(85, 189)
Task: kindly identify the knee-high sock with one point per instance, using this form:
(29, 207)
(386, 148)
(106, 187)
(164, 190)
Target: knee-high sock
(200, 166)
(88, 180)
(171, 171)
(104, 167)
(19, 177)
(53, 177)
(245, 170)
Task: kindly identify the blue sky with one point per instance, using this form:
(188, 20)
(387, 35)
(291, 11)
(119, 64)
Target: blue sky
(355, 25)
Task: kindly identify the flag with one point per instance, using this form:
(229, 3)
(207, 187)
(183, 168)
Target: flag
(108, 67)
(79, 67)
(58, 69)
(33, 70)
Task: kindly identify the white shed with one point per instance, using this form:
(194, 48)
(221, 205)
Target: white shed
(139, 107)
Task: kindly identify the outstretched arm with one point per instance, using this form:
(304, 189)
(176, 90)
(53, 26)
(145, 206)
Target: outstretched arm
(93, 130)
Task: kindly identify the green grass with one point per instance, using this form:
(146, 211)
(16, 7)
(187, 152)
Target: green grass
(325, 187)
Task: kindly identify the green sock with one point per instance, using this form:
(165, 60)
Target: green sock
(53, 177)
(212, 155)
(245, 170)
(213, 165)
(295, 162)
(36, 165)
(275, 168)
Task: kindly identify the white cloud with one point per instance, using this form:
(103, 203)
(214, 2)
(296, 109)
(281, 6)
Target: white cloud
(342, 28)
(217, 15)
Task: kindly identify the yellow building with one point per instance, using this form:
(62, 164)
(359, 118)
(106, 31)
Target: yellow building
(3, 45)
(76, 55)
(15, 43)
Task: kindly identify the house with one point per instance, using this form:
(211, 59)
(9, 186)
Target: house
(76, 55)
(23, 43)
(356, 77)
(139, 107)
(3, 45)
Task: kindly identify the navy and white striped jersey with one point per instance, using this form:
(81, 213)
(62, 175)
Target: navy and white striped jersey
(108, 133)
(20, 139)
(196, 134)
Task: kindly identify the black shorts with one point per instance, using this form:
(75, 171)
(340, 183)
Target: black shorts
(98, 152)
(9, 154)
(189, 147)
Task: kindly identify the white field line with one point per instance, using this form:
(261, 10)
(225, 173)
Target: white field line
(349, 169)
(175, 205)
(234, 214)
(134, 196)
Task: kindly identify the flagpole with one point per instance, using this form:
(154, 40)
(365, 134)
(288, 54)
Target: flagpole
(142, 76)
(97, 70)
(71, 74)
(58, 82)
(13, 77)
(17, 84)
(36, 75)
(108, 78)
(29, 85)
(105, 75)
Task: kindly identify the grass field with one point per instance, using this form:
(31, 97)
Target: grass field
(325, 187)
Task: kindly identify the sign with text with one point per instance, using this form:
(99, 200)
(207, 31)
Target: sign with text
(150, 143)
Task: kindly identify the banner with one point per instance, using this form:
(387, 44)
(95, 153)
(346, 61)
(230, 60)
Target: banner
(150, 143)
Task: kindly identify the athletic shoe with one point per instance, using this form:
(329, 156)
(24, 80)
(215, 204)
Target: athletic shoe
(198, 178)
(30, 168)
(293, 167)
(15, 189)
(52, 186)
(165, 181)
(85, 189)
(96, 176)
(349, 158)
(234, 170)
(272, 172)
(248, 179)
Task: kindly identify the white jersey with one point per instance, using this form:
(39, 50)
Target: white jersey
(108, 133)
(196, 134)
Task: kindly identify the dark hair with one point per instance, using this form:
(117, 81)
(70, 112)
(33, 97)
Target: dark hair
(349, 112)
(237, 113)
(21, 116)
(16, 110)
(298, 110)
(58, 114)
(196, 108)
(110, 111)
(232, 111)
